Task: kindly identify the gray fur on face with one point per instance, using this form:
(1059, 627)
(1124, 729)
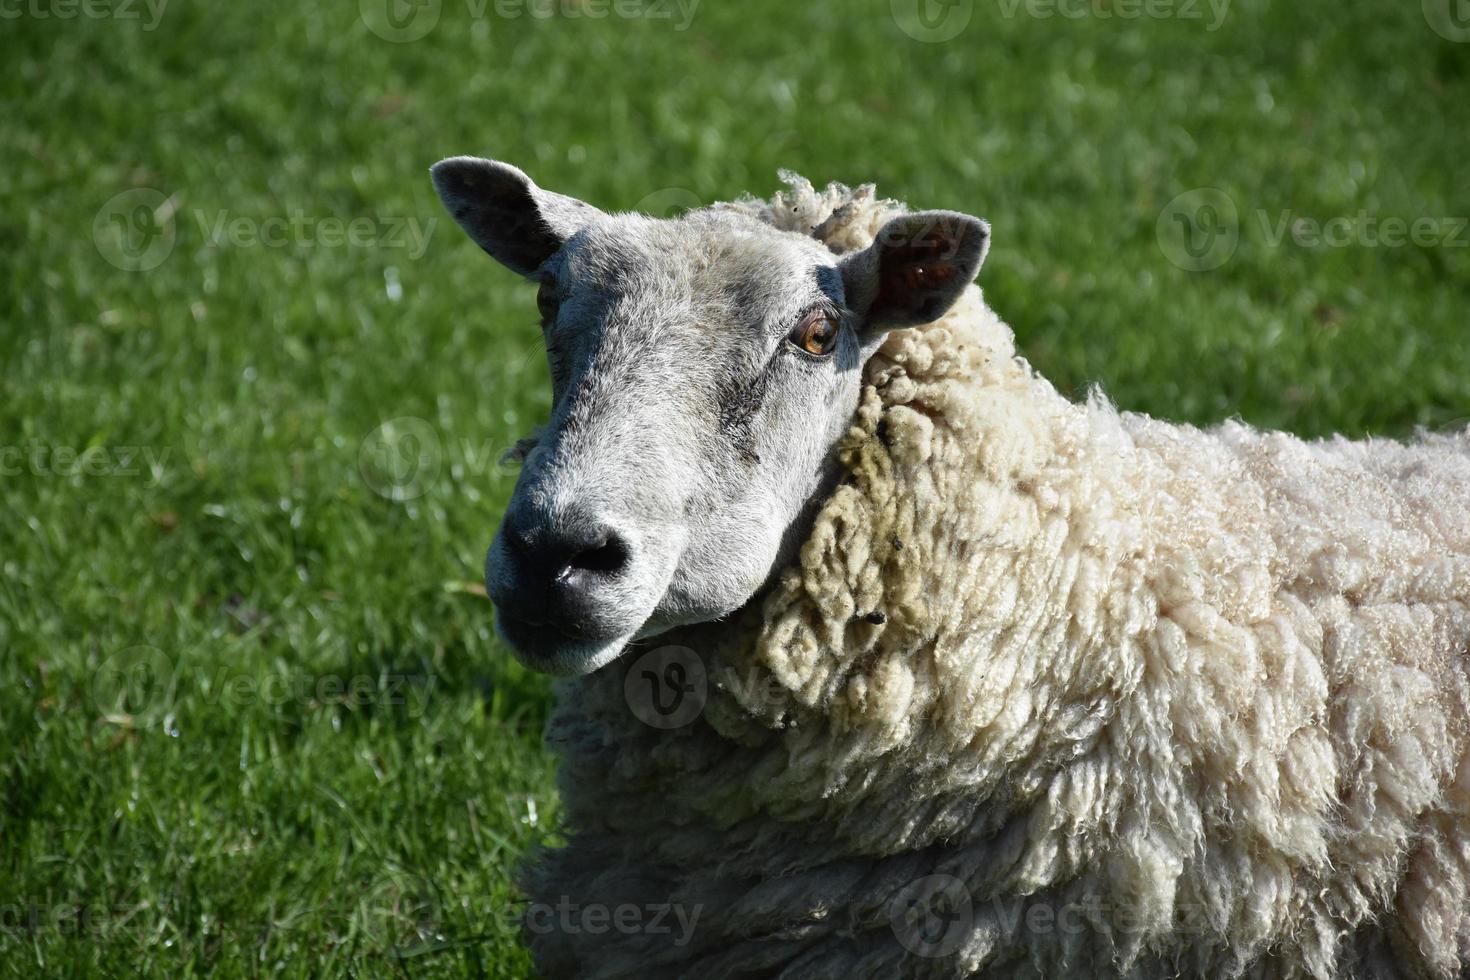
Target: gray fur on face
(689, 437)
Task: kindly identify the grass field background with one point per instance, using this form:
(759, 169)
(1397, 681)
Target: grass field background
(253, 719)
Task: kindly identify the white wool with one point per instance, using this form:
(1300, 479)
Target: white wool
(1211, 685)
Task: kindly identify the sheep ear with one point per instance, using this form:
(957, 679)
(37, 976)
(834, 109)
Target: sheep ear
(506, 214)
(915, 269)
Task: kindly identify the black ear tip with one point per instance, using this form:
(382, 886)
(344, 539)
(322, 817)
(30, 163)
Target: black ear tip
(446, 176)
(465, 175)
(972, 235)
(456, 172)
(981, 234)
(955, 223)
(966, 225)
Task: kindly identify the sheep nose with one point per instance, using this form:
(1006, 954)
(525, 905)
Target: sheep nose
(559, 572)
(571, 557)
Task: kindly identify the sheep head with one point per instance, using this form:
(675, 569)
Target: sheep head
(703, 369)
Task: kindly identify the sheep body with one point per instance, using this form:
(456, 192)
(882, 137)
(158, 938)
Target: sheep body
(1117, 696)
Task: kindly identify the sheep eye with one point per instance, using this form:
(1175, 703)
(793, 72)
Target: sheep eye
(815, 333)
(546, 302)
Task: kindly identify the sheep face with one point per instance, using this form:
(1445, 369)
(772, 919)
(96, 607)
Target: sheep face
(703, 370)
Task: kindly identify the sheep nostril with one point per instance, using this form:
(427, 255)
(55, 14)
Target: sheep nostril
(606, 558)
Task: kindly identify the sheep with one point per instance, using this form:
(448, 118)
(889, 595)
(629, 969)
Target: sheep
(1034, 687)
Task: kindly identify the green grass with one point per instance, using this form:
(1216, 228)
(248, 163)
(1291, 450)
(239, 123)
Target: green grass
(230, 809)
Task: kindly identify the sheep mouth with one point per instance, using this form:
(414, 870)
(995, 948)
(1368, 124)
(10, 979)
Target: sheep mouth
(562, 649)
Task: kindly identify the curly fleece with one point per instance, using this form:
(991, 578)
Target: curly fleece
(1122, 697)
